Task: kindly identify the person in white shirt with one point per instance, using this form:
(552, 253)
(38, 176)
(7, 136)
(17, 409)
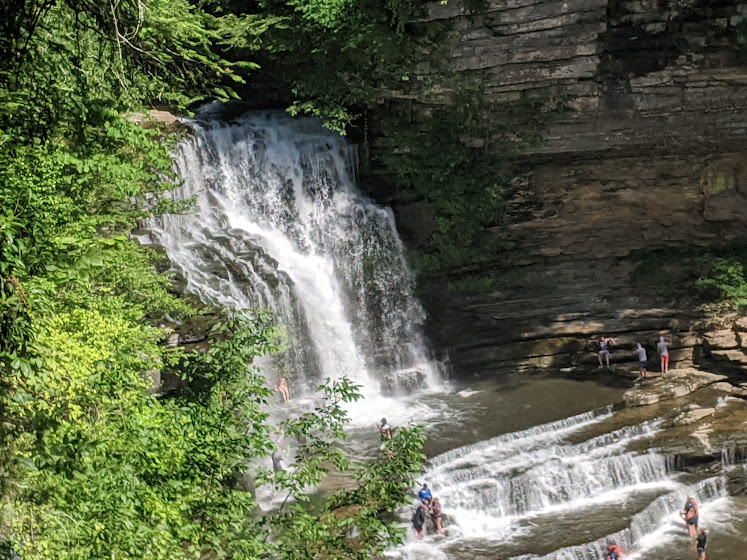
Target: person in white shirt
(386, 431)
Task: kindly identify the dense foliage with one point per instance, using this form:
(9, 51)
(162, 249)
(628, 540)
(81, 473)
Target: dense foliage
(700, 275)
(92, 463)
(340, 57)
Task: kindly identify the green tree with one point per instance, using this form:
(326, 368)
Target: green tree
(93, 463)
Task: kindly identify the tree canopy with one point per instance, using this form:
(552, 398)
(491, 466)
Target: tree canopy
(93, 463)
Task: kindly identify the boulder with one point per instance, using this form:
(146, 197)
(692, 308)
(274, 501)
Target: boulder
(172, 341)
(723, 339)
(154, 377)
(675, 384)
(733, 356)
(402, 382)
(736, 481)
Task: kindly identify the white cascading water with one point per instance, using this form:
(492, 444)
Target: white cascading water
(280, 225)
(492, 484)
(646, 526)
(503, 489)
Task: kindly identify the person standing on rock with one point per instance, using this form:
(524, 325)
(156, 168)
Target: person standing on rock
(642, 361)
(690, 517)
(384, 429)
(437, 515)
(663, 349)
(604, 351)
(418, 520)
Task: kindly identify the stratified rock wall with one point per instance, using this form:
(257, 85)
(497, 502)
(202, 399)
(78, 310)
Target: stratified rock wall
(650, 154)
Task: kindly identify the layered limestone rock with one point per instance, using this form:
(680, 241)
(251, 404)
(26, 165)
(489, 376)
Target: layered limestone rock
(649, 155)
(702, 419)
(676, 383)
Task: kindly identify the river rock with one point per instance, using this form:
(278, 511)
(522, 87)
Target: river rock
(172, 340)
(675, 384)
(402, 382)
(724, 339)
(692, 414)
(164, 120)
(736, 482)
(733, 356)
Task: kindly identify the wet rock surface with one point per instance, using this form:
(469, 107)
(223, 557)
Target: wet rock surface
(649, 155)
(402, 382)
(676, 383)
(704, 418)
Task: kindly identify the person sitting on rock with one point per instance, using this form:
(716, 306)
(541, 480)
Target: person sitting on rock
(282, 388)
(663, 349)
(425, 495)
(604, 351)
(642, 361)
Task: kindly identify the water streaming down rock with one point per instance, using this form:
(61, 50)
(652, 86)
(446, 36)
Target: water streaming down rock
(644, 524)
(535, 471)
(537, 436)
(515, 491)
(280, 225)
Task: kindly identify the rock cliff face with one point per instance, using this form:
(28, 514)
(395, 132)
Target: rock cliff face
(650, 155)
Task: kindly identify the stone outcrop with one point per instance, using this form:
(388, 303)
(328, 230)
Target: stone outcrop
(402, 382)
(648, 155)
(676, 383)
(701, 420)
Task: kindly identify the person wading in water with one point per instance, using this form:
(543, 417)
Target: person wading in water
(436, 515)
(418, 520)
(690, 516)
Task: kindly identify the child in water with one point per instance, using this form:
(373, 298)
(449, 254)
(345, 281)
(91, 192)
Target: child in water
(700, 544)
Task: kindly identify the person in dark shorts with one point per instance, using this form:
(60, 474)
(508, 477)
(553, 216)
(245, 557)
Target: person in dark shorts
(690, 517)
(700, 544)
(418, 520)
(604, 350)
(642, 361)
(436, 516)
(614, 552)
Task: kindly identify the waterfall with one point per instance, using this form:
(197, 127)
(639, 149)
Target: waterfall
(535, 471)
(645, 525)
(279, 224)
(535, 436)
